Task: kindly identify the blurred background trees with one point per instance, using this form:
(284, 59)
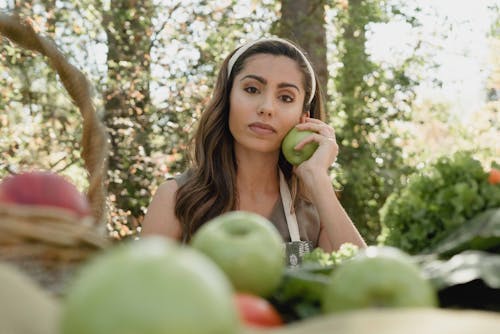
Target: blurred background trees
(153, 65)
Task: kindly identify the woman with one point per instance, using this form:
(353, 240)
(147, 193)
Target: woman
(263, 89)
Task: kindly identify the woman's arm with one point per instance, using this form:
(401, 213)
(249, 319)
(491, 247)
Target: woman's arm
(336, 226)
(160, 217)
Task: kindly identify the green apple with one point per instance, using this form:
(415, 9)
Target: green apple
(150, 286)
(24, 306)
(292, 138)
(378, 277)
(247, 247)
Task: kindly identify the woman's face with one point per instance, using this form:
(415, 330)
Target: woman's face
(266, 101)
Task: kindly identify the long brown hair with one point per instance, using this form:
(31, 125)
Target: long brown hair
(210, 189)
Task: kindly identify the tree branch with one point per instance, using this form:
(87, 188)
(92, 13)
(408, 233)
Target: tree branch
(155, 36)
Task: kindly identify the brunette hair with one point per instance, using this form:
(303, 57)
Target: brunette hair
(210, 188)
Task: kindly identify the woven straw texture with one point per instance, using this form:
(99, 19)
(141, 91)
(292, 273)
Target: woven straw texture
(49, 244)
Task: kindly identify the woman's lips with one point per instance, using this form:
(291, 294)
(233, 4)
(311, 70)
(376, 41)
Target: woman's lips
(261, 128)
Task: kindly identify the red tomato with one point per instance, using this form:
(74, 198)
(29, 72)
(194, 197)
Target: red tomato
(256, 311)
(494, 176)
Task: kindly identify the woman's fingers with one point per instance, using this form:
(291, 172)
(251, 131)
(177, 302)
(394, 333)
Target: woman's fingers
(319, 127)
(309, 139)
(324, 135)
(318, 138)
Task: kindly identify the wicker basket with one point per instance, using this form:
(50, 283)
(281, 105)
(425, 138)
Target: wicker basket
(48, 244)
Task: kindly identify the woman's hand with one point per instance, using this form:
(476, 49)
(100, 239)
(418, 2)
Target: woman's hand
(326, 153)
(336, 226)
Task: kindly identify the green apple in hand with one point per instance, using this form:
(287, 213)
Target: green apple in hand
(150, 286)
(292, 138)
(247, 247)
(378, 277)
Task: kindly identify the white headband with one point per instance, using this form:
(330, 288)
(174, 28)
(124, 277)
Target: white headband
(246, 46)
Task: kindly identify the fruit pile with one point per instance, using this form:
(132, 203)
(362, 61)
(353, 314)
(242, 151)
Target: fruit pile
(231, 278)
(155, 285)
(226, 280)
(378, 277)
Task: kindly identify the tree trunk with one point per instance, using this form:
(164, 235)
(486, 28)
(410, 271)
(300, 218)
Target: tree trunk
(303, 21)
(364, 185)
(127, 100)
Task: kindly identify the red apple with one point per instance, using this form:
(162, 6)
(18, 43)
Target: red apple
(256, 311)
(43, 189)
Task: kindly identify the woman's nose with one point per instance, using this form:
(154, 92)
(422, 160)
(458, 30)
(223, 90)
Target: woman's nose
(266, 107)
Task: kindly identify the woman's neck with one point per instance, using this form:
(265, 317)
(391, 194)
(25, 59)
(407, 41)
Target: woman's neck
(257, 173)
(257, 184)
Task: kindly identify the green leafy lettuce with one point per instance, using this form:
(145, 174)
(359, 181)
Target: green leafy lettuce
(435, 202)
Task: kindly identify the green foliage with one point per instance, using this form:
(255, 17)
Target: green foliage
(462, 268)
(319, 256)
(436, 201)
(153, 68)
(370, 97)
(482, 232)
(301, 290)
(40, 128)
(127, 108)
(468, 273)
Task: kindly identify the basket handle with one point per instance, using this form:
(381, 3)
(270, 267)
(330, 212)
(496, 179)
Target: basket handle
(94, 138)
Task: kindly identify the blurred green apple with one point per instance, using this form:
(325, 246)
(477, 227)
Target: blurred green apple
(150, 286)
(25, 307)
(378, 277)
(293, 137)
(247, 247)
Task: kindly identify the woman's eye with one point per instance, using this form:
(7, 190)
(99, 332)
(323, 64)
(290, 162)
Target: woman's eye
(286, 98)
(251, 90)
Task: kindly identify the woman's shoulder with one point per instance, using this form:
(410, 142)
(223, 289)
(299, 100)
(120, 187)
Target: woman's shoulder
(181, 179)
(167, 188)
(174, 182)
(160, 217)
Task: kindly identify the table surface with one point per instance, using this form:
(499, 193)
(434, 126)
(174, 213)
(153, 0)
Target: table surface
(392, 321)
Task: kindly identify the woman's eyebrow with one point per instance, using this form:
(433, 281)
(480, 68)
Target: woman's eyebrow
(264, 81)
